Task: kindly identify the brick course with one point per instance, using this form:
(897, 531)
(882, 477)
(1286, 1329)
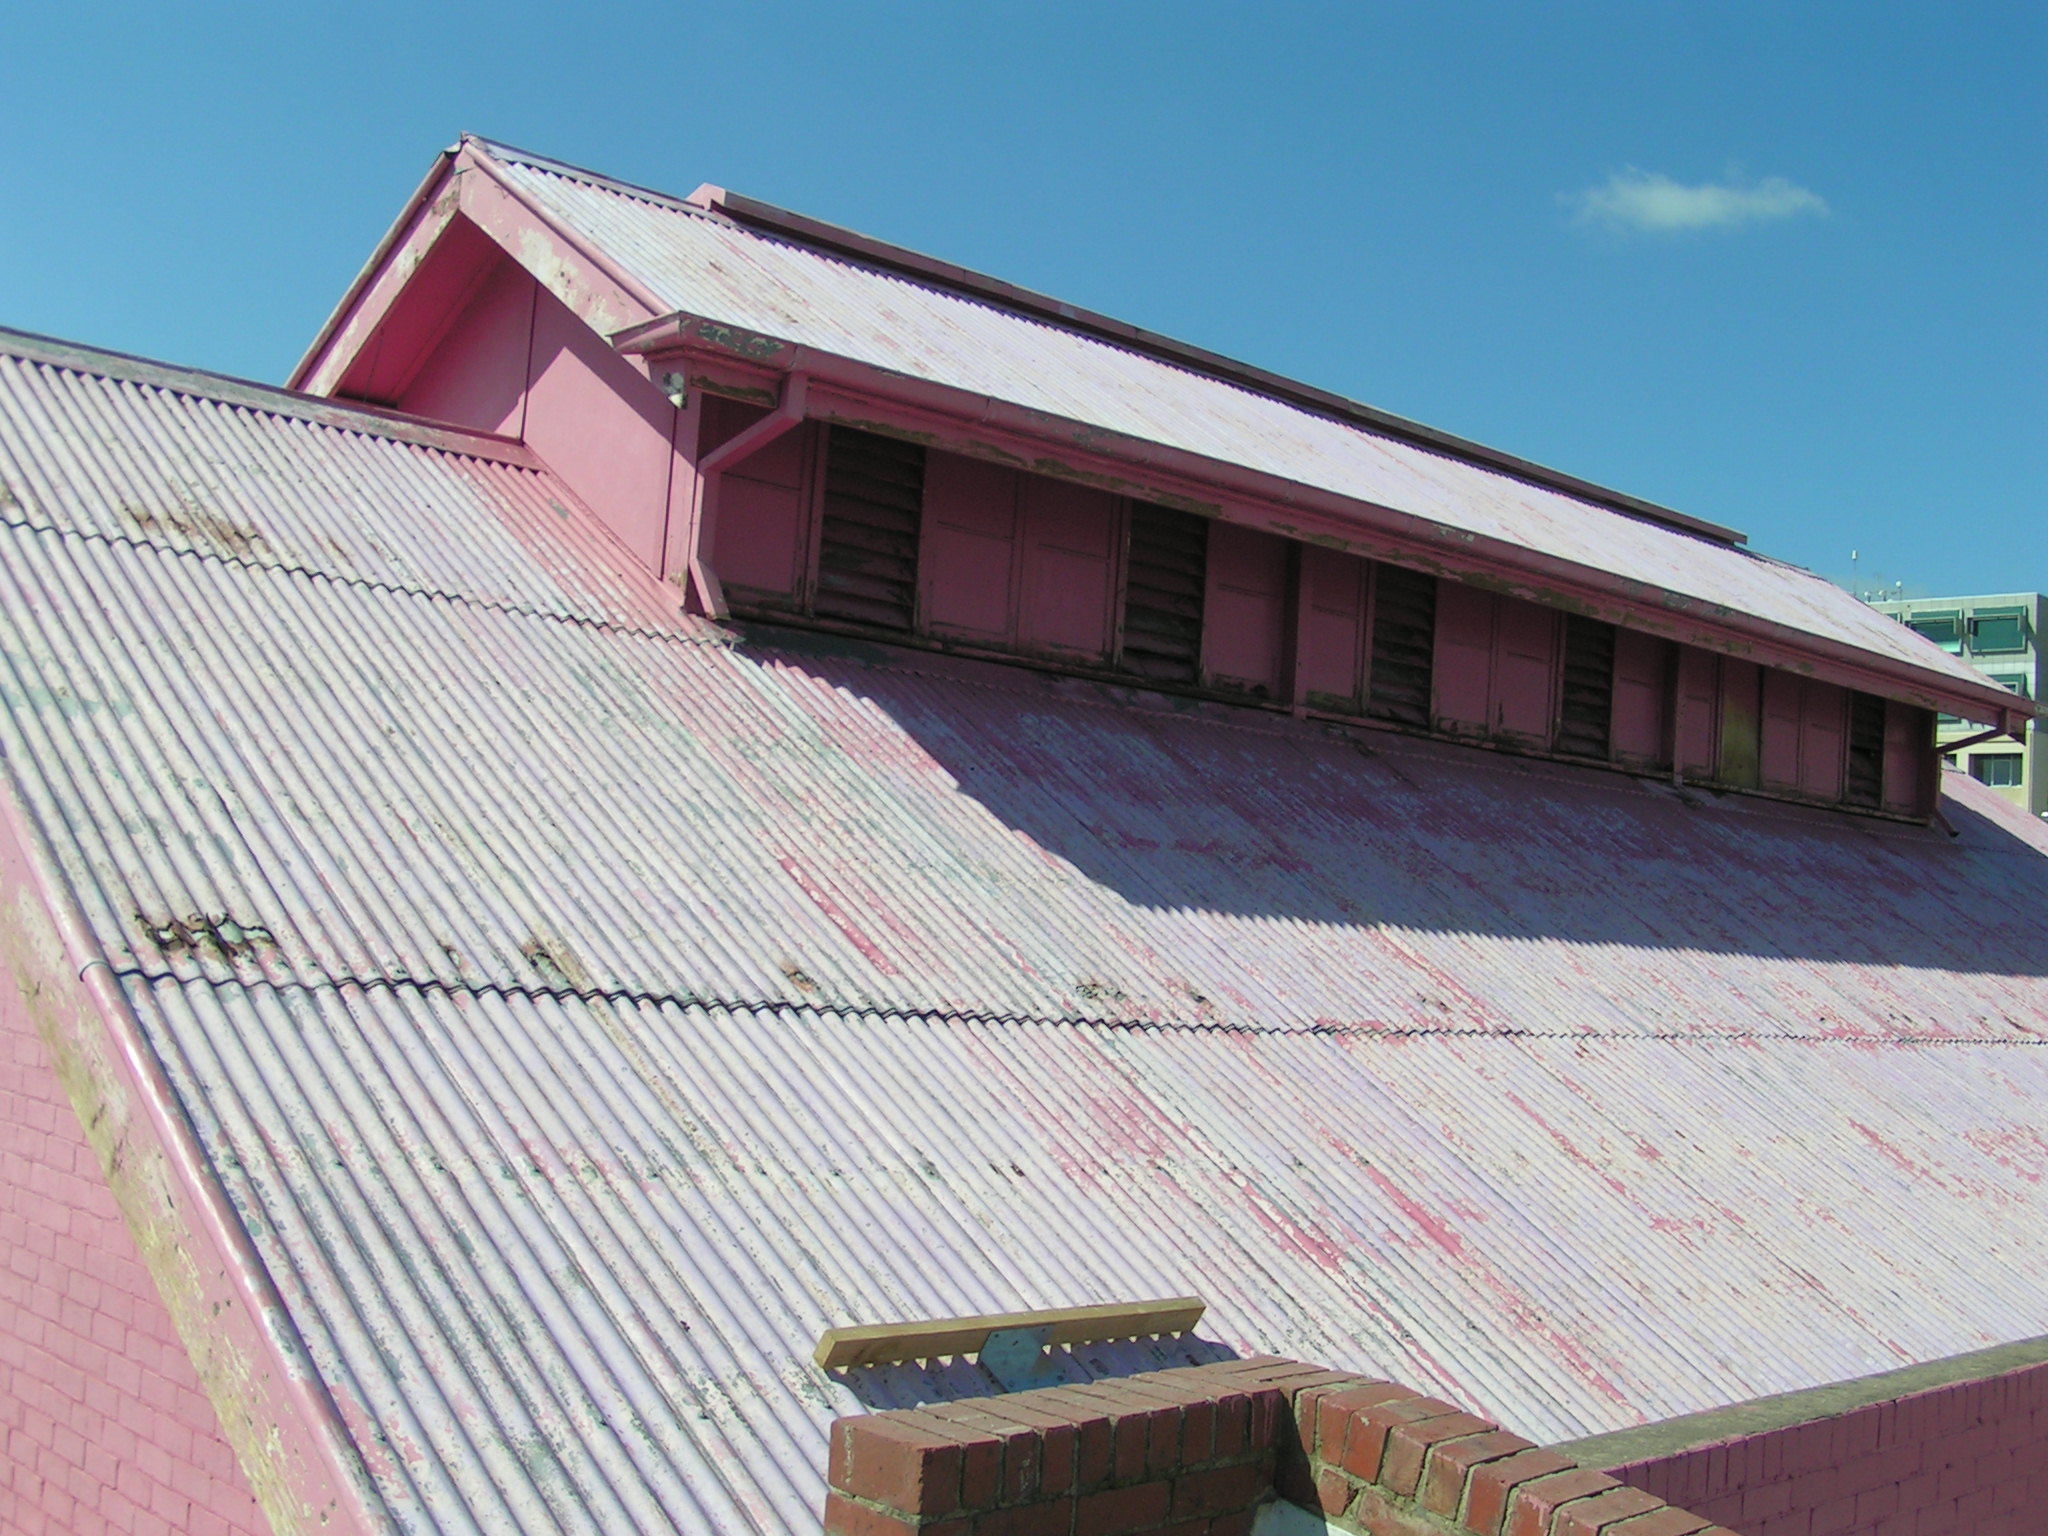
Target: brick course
(1955, 1459)
(1195, 1452)
(104, 1426)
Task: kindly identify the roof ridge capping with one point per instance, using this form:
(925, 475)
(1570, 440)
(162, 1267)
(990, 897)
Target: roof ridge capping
(497, 150)
(253, 394)
(768, 218)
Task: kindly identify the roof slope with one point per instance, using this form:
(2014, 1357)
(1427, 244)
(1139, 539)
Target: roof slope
(584, 1008)
(707, 265)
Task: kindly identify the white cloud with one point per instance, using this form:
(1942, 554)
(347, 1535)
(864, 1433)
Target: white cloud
(1649, 200)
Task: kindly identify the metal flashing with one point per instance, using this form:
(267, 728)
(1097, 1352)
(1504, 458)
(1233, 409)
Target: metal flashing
(367, 275)
(887, 1343)
(303, 1466)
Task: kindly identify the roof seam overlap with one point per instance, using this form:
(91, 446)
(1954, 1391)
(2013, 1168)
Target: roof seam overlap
(942, 1013)
(368, 583)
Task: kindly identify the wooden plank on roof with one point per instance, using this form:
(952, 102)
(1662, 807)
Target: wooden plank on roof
(884, 1343)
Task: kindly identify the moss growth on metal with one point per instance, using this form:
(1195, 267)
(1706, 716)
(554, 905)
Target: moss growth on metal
(751, 345)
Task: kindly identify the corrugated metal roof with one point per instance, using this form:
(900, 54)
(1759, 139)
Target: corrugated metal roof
(584, 1009)
(709, 266)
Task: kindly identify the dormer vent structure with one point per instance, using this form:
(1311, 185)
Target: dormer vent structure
(843, 529)
(800, 425)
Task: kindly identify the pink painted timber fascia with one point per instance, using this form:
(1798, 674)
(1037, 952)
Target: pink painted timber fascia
(855, 393)
(295, 1450)
(379, 283)
(464, 182)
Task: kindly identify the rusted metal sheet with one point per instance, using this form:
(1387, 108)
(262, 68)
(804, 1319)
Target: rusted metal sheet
(584, 1011)
(712, 267)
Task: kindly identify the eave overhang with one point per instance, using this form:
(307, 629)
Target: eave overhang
(754, 214)
(843, 390)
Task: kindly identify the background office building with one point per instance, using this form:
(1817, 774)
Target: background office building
(2000, 637)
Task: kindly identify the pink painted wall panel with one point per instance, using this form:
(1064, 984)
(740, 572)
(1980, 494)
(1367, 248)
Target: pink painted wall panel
(1740, 724)
(1908, 736)
(967, 563)
(102, 1419)
(1463, 673)
(1525, 671)
(761, 538)
(720, 420)
(1699, 706)
(1496, 666)
(1068, 595)
(476, 375)
(778, 462)
(1782, 705)
(1330, 660)
(436, 296)
(599, 424)
(1245, 611)
(1642, 693)
(1823, 739)
(605, 429)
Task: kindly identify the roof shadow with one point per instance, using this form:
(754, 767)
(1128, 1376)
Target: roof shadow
(1198, 807)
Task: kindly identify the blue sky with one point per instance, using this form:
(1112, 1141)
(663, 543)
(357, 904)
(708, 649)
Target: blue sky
(1782, 266)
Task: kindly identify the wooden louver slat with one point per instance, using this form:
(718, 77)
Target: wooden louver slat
(873, 513)
(1403, 645)
(1865, 779)
(887, 1343)
(1167, 575)
(1586, 706)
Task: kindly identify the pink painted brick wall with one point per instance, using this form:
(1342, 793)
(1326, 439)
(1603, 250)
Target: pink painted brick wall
(1966, 1459)
(103, 1425)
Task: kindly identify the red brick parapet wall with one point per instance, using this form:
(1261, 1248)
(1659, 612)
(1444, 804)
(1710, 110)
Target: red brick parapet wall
(1198, 1451)
(1958, 1447)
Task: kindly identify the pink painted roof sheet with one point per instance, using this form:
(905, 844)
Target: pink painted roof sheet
(706, 265)
(622, 1001)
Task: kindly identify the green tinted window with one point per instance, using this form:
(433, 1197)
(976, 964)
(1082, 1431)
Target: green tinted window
(1944, 629)
(2016, 682)
(2001, 770)
(1998, 629)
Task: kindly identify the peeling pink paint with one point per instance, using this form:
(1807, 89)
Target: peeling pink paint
(837, 914)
